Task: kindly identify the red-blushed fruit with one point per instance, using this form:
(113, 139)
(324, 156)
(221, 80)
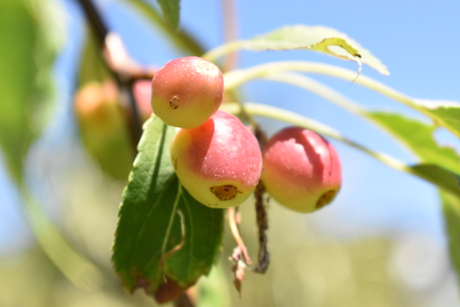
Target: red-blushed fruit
(218, 163)
(187, 91)
(301, 169)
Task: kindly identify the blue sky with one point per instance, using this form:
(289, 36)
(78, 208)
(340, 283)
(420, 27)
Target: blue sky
(417, 40)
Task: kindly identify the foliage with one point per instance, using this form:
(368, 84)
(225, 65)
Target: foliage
(165, 240)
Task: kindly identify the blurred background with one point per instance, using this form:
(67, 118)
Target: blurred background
(381, 242)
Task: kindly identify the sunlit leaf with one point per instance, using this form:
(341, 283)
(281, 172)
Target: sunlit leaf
(171, 11)
(317, 38)
(165, 239)
(444, 113)
(418, 137)
(439, 176)
(26, 56)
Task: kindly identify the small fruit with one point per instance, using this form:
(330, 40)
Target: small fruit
(187, 91)
(218, 163)
(301, 169)
(142, 91)
(103, 128)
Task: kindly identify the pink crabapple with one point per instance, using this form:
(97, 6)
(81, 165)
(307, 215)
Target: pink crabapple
(187, 91)
(301, 169)
(218, 163)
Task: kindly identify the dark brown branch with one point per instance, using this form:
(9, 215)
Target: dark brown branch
(124, 72)
(262, 225)
(261, 212)
(95, 19)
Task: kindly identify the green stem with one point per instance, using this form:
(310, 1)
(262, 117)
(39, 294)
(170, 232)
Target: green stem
(236, 78)
(302, 121)
(255, 109)
(319, 89)
(230, 47)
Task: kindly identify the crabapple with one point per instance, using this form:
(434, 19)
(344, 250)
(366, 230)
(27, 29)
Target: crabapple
(187, 91)
(218, 163)
(301, 169)
(142, 91)
(102, 126)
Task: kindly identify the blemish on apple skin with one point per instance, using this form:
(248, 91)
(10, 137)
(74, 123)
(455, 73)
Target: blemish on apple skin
(174, 102)
(224, 192)
(326, 198)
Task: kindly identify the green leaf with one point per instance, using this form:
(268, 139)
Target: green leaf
(26, 56)
(171, 11)
(177, 37)
(164, 236)
(451, 209)
(444, 113)
(418, 137)
(415, 135)
(317, 38)
(439, 176)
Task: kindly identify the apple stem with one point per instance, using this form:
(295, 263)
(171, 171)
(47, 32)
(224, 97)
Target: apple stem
(262, 225)
(124, 72)
(236, 234)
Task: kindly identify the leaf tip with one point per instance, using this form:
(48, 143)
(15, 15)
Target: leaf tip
(168, 291)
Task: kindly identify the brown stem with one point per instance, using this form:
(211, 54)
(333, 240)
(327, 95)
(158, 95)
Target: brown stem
(124, 72)
(261, 212)
(94, 18)
(262, 225)
(236, 234)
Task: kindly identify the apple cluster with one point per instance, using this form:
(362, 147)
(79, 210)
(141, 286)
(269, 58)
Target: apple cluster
(219, 161)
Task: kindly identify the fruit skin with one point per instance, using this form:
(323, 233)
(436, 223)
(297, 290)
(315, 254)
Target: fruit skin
(302, 170)
(187, 91)
(218, 163)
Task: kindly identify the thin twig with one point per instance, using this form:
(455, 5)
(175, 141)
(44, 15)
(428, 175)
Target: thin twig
(236, 234)
(94, 18)
(262, 225)
(124, 71)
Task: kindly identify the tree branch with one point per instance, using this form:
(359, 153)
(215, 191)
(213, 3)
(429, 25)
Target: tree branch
(123, 68)
(95, 20)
